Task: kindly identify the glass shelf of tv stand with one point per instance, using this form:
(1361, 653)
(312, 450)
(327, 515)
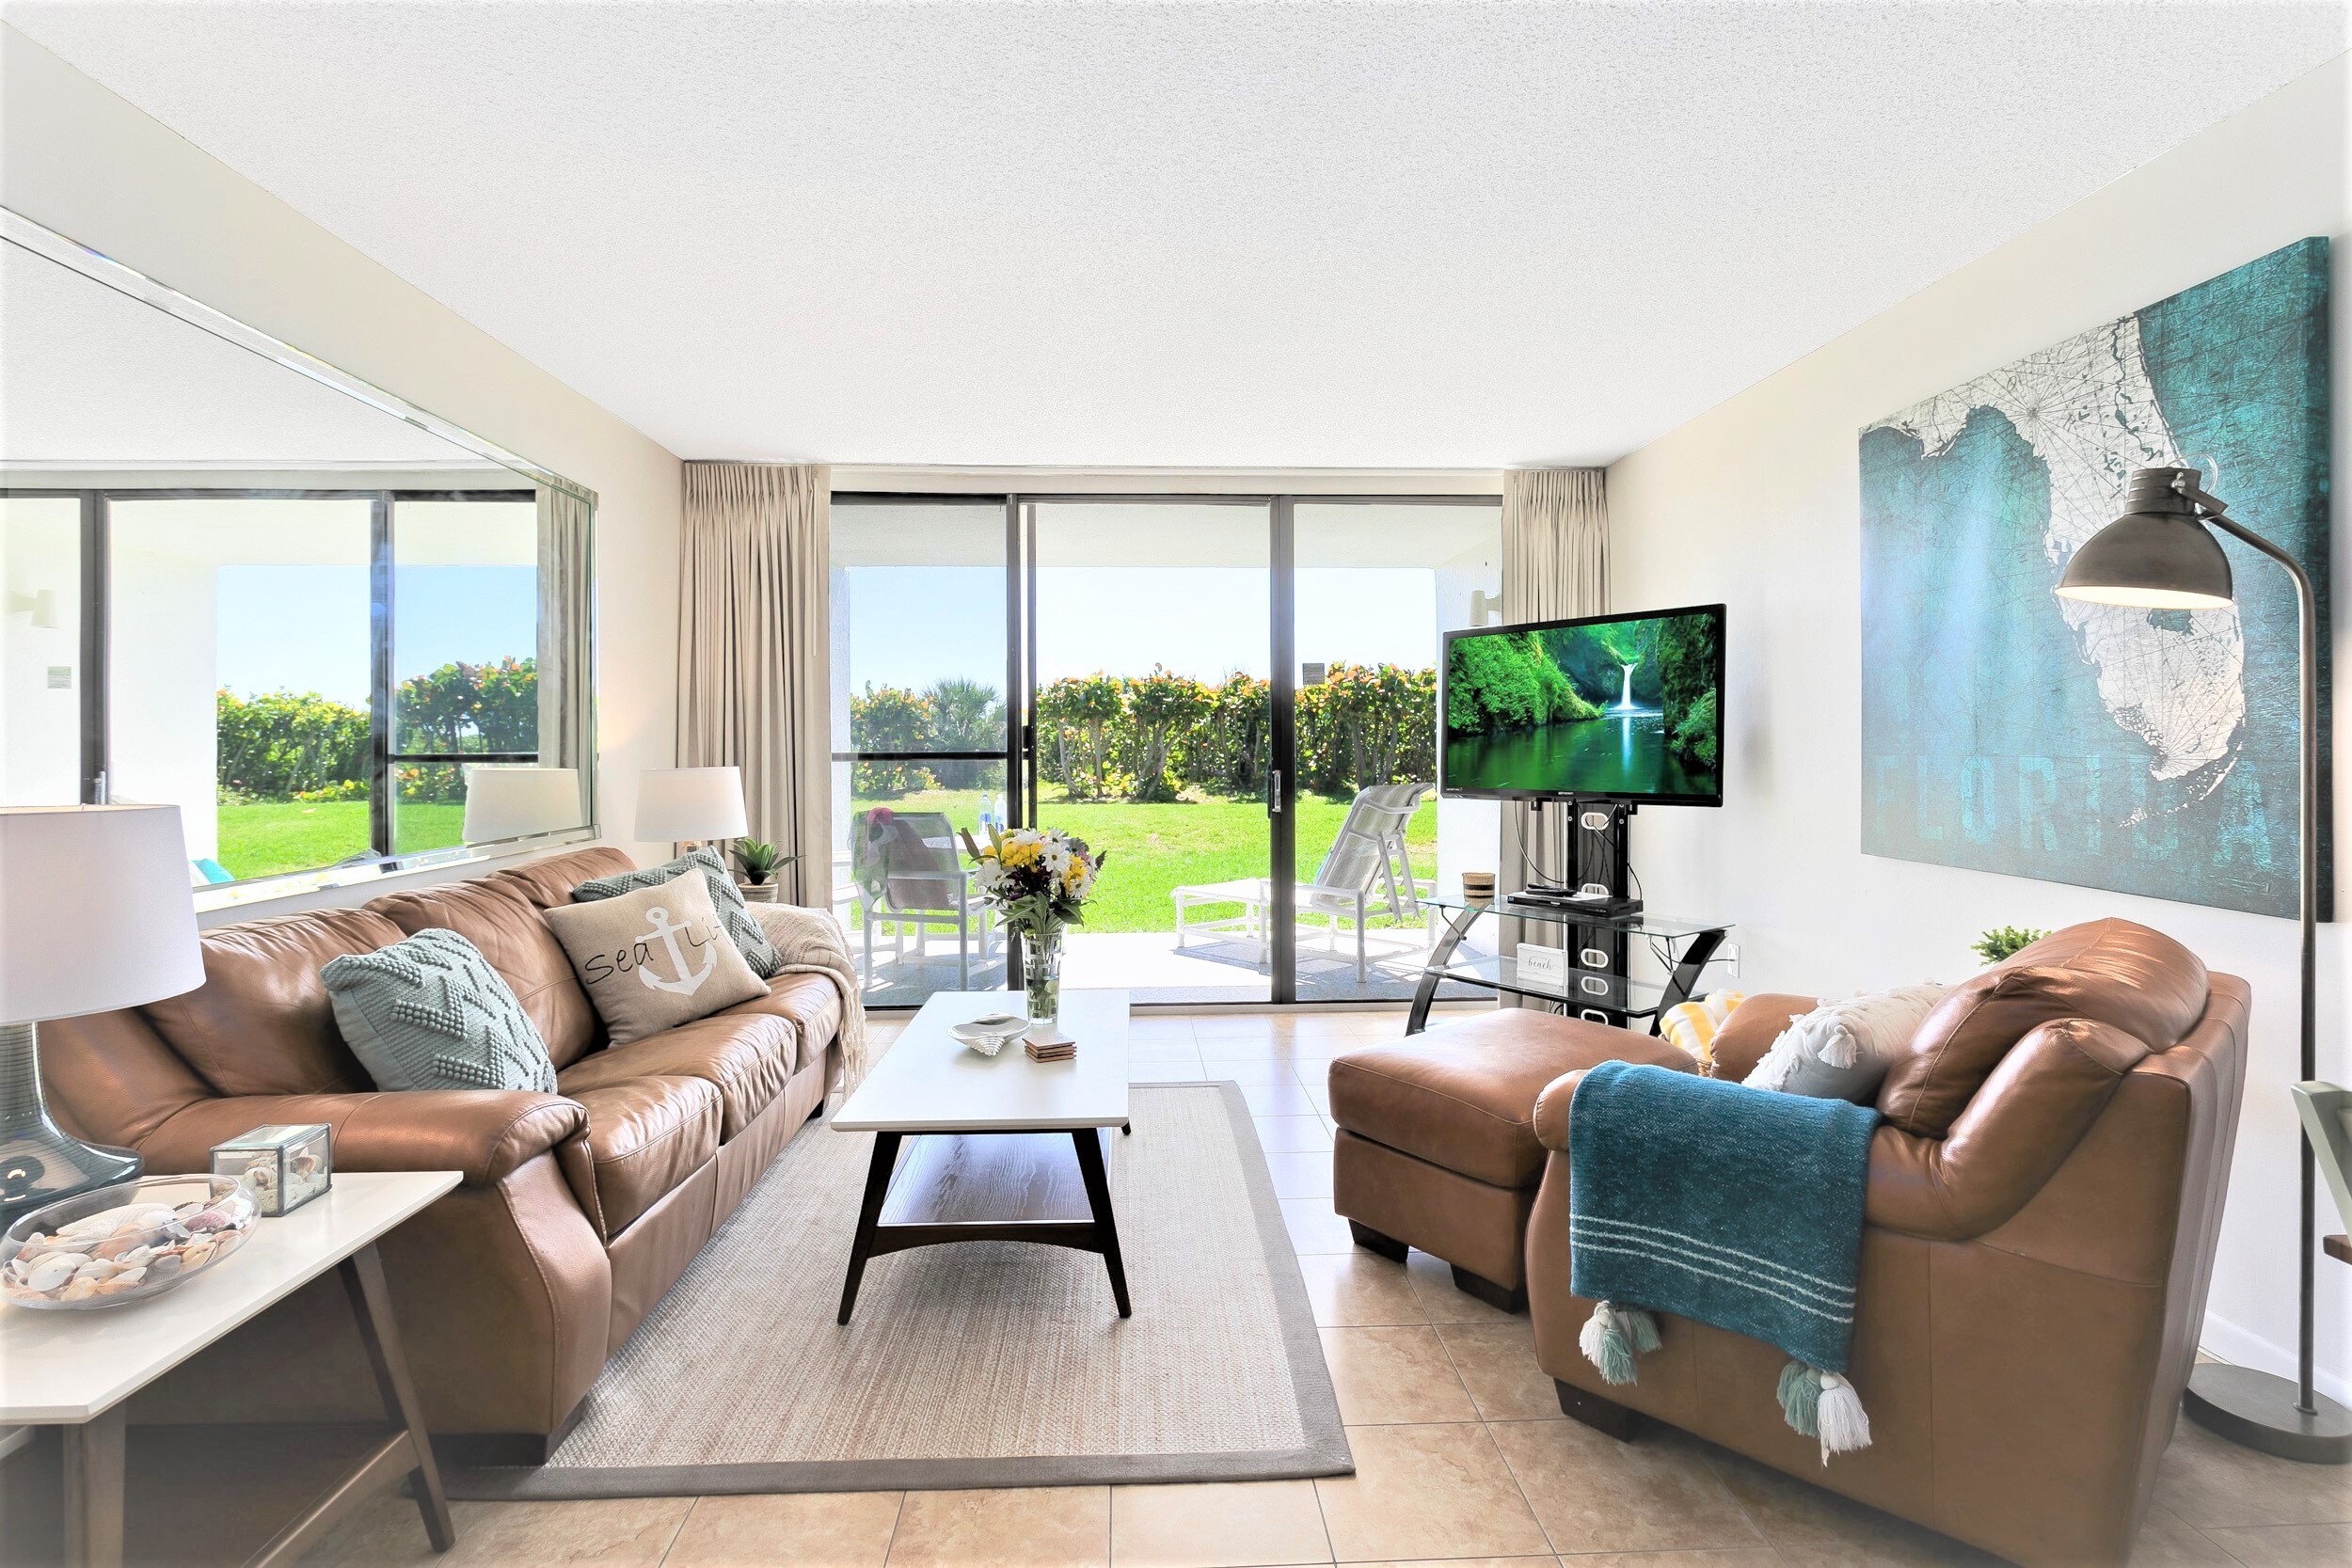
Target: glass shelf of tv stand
(1644, 923)
(1582, 987)
(1689, 947)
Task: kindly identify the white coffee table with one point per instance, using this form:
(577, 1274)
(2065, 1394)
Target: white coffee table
(78, 1370)
(932, 1084)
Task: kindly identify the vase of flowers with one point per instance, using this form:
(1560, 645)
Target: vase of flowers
(1036, 879)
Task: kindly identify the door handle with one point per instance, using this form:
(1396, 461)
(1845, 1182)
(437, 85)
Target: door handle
(1274, 793)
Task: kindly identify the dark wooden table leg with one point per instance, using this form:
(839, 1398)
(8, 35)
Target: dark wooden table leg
(93, 1492)
(869, 1209)
(371, 1305)
(1089, 1142)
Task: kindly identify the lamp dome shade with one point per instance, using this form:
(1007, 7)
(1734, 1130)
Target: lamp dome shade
(515, 802)
(675, 803)
(95, 911)
(2158, 560)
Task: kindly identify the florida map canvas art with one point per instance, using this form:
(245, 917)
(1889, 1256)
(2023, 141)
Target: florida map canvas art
(2149, 752)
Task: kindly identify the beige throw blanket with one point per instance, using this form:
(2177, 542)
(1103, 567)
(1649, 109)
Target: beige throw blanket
(812, 942)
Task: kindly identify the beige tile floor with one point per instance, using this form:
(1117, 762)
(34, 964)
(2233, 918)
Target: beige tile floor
(1461, 1455)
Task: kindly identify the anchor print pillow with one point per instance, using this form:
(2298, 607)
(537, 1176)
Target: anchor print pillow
(654, 959)
(430, 1013)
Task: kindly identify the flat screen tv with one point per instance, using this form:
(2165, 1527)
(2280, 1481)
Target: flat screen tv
(1613, 707)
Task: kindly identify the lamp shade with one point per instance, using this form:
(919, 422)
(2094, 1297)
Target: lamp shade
(2157, 554)
(515, 802)
(676, 803)
(95, 911)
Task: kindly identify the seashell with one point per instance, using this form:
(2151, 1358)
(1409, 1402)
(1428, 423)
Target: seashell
(165, 1265)
(135, 1256)
(211, 1219)
(115, 1246)
(81, 1289)
(95, 1268)
(50, 1272)
(196, 1255)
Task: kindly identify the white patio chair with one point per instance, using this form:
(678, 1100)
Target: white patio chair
(907, 874)
(1366, 871)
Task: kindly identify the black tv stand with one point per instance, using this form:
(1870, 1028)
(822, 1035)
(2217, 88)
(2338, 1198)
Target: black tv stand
(1598, 919)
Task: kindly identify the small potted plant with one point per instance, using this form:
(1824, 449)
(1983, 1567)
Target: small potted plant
(2003, 940)
(759, 863)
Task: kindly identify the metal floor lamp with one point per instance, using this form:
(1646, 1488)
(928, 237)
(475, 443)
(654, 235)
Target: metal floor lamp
(2159, 555)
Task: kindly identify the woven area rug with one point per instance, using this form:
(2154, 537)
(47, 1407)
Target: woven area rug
(978, 1364)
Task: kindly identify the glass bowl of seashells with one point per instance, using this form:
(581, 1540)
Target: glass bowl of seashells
(124, 1243)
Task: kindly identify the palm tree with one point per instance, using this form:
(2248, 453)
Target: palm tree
(966, 716)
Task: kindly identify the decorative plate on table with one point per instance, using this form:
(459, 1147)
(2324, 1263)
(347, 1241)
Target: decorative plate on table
(992, 1034)
(124, 1243)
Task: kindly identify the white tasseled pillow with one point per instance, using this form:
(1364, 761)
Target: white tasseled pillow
(1840, 1050)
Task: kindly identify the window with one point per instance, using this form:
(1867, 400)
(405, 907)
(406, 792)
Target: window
(465, 654)
(1226, 692)
(306, 675)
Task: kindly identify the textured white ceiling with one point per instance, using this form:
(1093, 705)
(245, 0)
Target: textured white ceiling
(1246, 235)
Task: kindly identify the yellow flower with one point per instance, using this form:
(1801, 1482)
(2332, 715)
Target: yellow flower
(1014, 853)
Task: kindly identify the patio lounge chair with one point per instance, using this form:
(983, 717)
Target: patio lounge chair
(907, 873)
(1366, 871)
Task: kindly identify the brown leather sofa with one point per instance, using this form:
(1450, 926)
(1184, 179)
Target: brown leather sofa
(578, 1208)
(2045, 1194)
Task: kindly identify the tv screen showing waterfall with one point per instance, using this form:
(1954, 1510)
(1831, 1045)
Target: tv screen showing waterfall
(1621, 708)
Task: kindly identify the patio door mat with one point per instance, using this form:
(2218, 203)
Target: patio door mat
(978, 1364)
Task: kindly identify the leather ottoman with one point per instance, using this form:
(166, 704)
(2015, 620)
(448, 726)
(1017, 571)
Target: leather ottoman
(1436, 1147)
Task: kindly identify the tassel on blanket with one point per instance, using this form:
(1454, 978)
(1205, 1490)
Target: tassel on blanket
(1613, 1335)
(1824, 1406)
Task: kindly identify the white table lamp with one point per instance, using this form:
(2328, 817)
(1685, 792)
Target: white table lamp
(690, 805)
(517, 802)
(95, 915)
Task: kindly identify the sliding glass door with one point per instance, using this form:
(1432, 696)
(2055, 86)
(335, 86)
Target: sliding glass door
(1151, 663)
(1377, 585)
(1235, 696)
(922, 645)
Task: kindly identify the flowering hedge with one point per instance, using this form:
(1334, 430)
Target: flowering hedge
(288, 745)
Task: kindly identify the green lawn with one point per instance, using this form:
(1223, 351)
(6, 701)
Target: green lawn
(1155, 849)
(266, 837)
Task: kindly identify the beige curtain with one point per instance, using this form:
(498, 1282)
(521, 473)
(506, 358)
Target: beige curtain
(1555, 566)
(753, 649)
(566, 650)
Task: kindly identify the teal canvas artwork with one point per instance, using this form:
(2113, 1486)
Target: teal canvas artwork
(2149, 752)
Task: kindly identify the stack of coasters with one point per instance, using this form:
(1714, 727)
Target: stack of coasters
(1060, 1050)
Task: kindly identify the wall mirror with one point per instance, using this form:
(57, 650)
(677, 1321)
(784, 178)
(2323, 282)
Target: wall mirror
(342, 636)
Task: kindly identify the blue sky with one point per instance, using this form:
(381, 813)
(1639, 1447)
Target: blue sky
(910, 626)
(305, 629)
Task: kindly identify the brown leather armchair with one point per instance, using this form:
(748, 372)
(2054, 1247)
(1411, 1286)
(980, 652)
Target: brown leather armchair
(578, 1211)
(2045, 1194)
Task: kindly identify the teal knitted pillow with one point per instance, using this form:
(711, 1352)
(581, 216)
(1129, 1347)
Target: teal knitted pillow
(735, 916)
(430, 1013)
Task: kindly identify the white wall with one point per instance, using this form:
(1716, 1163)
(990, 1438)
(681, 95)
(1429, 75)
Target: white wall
(1757, 504)
(91, 167)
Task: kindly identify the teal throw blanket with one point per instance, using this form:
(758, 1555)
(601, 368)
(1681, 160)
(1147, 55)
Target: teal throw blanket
(1736, 1207)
